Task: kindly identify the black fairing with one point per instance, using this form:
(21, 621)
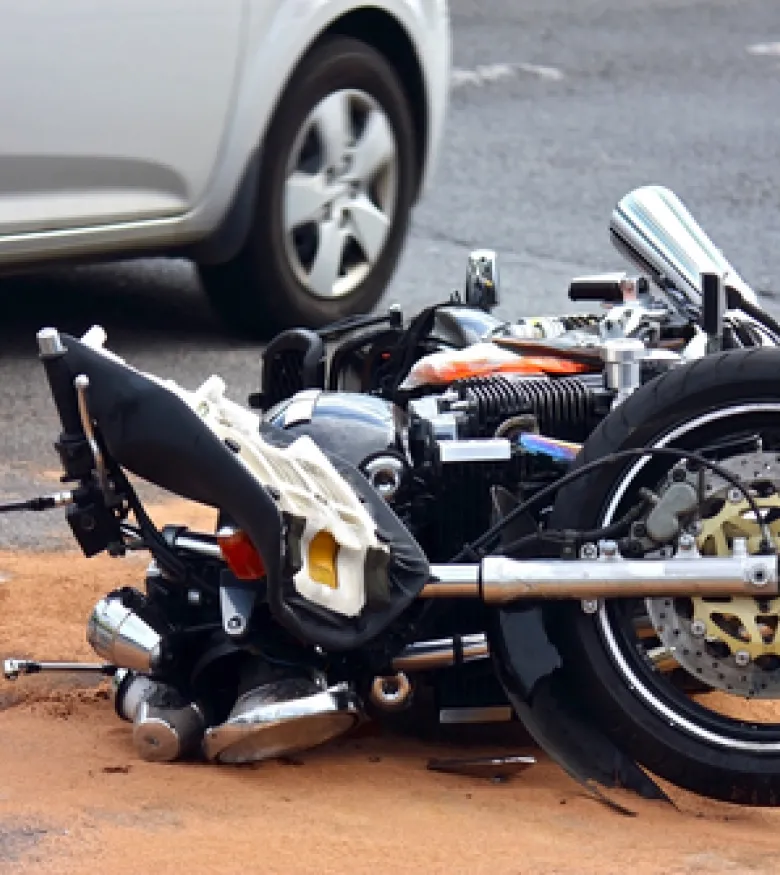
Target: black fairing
(152, 433)
(531, 671)
(348, 424)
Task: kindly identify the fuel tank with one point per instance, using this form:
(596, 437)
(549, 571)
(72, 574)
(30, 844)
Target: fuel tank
(354, 427)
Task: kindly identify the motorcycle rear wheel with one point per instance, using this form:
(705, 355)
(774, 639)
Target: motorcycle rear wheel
(708, 403)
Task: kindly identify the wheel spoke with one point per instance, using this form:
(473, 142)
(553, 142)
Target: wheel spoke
(333, 121)
(327, 263)
(370, 227)
(305, 196)
(374, 149)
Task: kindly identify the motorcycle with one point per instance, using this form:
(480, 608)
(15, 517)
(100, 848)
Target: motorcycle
(572, 522)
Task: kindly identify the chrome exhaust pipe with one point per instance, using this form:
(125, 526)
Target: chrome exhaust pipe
(499, 580)
(128, 690)
(120, 636)
(166, 727)
(654, 229)
(441, 653)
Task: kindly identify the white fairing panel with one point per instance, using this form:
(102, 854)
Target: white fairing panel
(112, 110)
(308, 485)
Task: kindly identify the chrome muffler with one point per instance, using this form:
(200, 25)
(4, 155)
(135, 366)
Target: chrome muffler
(499, 580)
(166, 727)
(281, 718)
(120, 636)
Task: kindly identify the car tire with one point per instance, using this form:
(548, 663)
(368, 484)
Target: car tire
(266, 288)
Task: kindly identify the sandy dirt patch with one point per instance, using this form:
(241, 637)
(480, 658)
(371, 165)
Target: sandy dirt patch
(74, 797)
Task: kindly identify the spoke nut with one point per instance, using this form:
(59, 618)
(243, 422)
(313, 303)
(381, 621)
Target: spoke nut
(742, 658)
(590, 606)
(589, 551)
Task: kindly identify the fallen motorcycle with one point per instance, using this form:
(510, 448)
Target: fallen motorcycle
(574, 520)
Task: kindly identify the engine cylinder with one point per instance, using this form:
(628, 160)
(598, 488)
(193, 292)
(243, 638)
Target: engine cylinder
(565, 407)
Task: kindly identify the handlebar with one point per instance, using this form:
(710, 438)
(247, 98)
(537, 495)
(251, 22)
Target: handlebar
(72, 446)
(52, 353)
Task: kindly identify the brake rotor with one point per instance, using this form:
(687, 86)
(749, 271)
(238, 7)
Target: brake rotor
(729, 643)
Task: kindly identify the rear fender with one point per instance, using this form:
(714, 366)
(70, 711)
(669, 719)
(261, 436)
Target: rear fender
(532, 673)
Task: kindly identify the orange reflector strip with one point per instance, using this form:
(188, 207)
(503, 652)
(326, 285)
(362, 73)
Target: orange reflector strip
(323, 552)
(240, 554)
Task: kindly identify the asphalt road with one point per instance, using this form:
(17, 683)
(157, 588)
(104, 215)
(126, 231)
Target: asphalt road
(558, 109)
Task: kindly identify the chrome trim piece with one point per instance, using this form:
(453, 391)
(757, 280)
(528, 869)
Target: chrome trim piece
(476, 450)
(49, 343)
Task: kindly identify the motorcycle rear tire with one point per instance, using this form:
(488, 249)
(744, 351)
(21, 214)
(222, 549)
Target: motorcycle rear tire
(744, 382)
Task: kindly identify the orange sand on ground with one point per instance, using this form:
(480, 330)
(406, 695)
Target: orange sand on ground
(74, 798)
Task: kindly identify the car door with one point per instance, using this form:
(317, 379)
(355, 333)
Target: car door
(111, 110)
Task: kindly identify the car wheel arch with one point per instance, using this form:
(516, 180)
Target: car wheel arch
(375, 27)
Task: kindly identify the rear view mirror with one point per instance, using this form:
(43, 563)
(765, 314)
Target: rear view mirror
(482, 280)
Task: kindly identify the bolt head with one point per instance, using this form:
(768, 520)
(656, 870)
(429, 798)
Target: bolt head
(742, 658)
(698, 628)
(235, 623)
(590, 606)
(687, 542)
(609, 549)
(759, 576)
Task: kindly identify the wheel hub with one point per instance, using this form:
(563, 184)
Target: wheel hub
(340, 193)
(732, 644)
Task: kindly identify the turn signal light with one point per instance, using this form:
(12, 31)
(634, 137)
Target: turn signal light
(240, 554)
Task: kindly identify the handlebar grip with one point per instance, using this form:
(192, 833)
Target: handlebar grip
(606, 290)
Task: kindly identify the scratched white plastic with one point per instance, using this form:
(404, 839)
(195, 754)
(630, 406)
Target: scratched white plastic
(308, 485)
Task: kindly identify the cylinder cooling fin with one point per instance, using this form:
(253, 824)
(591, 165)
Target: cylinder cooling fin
(566, 407)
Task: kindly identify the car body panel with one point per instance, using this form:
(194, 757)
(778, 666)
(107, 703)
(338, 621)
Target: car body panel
(155, 157)
(112, 112)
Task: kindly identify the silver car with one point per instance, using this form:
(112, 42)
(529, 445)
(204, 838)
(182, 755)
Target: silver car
(279, 144)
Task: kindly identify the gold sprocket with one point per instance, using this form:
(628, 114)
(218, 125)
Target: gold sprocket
(743, 623)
